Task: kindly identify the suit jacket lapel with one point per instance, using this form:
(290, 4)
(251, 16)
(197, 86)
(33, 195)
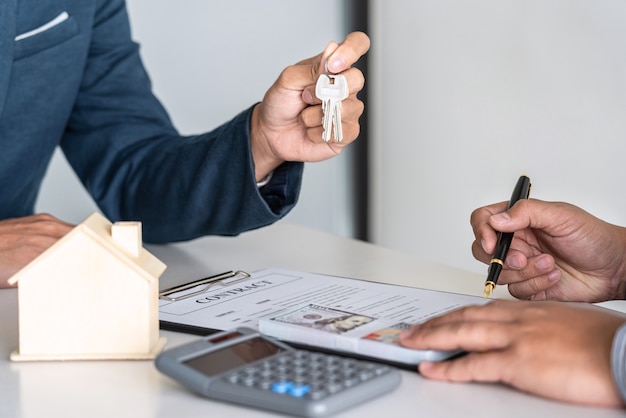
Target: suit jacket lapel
(8, 10)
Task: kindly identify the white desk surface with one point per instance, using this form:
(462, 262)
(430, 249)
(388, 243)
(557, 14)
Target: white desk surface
(136, 389)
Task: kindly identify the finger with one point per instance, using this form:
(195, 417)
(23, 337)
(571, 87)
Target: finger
(526, 213)
(350, 134)
(298, 77)
(322, 64)
(532, 266)
(519, 267)
(495, 311)
(471, 336)
(351, 111)
(351, 130)
(46, 217)
(53, 227)
(354, 79)
(301, 79)
(348, 52)
(479, 252)
(533, 213)
(311, 117)
(40, 224)
(485, 235)
(517, 257)
(529, 276)
(480, 367)
(535, 288)
(337, 58)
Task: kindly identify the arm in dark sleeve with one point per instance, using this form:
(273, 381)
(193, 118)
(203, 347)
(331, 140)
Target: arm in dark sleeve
(124, 148)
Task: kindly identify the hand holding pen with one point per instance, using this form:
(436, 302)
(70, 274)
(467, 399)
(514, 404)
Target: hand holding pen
(521, 191)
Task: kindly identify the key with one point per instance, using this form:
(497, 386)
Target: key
(322, 89)
(331, 90)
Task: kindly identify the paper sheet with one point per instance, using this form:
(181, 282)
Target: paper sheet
(272, 291)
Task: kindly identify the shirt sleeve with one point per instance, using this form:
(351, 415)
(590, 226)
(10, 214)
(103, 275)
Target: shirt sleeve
(618, 360)
(124, 148)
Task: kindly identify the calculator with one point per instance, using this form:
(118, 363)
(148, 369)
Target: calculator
(245, 367)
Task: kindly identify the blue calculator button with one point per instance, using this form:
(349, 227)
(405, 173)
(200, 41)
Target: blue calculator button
(299, 390)
(282, 386)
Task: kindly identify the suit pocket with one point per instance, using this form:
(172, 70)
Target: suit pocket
(48, 36)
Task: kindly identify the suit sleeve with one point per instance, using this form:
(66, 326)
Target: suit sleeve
(124, 148)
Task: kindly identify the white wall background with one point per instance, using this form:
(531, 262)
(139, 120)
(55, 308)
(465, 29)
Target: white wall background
(464, 97)
(210, 60)
(467, 95)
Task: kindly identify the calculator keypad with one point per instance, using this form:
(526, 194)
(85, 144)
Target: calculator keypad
(305, 374)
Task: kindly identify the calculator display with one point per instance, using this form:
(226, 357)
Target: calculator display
(233, 356)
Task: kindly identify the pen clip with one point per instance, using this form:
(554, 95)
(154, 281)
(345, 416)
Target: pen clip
(224, 279)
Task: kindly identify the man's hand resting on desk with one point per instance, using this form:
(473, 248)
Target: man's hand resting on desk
(23, 239)
(550, 349)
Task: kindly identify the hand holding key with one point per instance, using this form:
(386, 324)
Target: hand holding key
(287, 124)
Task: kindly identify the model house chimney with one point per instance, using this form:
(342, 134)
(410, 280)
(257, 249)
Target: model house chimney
(128, 236)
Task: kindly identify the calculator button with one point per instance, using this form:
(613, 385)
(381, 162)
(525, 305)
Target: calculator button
(282, 368)
(366, 375)
(299, 390)
(317, 394)
(351, 381)
(282, 386)
(232, 378)
(299, 370)
(301, 379)
(265, 384)
(334, 387)
(381, 370)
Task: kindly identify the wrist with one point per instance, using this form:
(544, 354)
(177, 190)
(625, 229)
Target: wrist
(263, 157)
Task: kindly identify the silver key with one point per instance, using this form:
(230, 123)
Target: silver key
(331, 90)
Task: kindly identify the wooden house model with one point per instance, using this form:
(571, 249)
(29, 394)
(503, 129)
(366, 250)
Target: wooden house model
(93, 295)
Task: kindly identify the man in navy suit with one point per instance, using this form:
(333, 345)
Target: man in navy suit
(71, 76)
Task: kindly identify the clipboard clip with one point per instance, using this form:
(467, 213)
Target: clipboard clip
(224, 279)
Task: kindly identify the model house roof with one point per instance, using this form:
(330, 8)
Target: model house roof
(121, 240)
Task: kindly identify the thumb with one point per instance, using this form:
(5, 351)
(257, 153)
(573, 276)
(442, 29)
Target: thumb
(533, 213)
(338, 57)
(348, 52)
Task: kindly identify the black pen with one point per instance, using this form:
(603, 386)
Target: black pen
(521, 191)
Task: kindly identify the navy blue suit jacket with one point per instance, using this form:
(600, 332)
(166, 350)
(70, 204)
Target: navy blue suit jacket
(71, 76)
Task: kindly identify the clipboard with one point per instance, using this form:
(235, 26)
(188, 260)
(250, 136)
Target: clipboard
(203, 285)
(237, 298)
